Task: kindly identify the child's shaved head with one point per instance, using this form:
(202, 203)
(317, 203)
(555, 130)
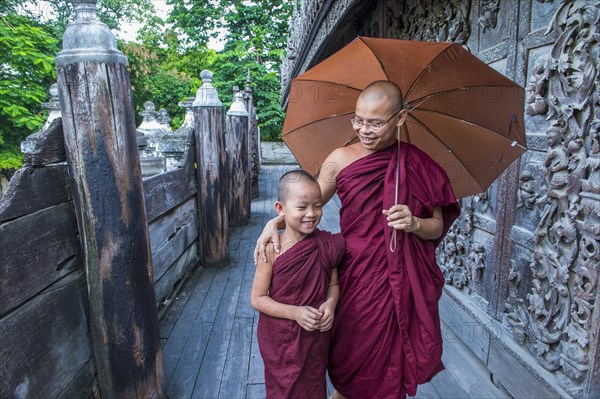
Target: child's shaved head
(293, 177)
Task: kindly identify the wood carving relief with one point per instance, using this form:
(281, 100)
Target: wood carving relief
(438, 21)
(554, 319)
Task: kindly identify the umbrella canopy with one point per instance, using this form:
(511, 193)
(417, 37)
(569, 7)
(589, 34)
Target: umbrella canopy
(464, 114)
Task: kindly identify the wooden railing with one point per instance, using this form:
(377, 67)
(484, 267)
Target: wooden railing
(88, 248)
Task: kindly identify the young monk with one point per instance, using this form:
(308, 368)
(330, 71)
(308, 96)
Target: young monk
(296, 292)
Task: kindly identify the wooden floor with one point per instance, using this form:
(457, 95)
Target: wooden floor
(208, 333)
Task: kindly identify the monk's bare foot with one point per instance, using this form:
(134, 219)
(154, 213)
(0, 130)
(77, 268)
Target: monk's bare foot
(336, 395)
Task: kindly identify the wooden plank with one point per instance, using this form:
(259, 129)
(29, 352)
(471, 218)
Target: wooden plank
(447, 386)
(244, 308)
(190, 322)
(212, 184)
(166, 191)
(256, 369)
(470, 372)
(166, 227)
(82, 384)
(516, 378)
(197, 333)
(46, 146)
(178, 270)
(256, 391)
(235, 372)
(179, 236)
(428, 391)
(461, 325)
(36, 250)
(167, 323)
(45, 343)
(33, 189)
(211, 368)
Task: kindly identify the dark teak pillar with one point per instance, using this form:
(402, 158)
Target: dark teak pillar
(102, 156)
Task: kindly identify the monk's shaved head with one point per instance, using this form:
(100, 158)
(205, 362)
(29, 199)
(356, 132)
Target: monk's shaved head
(293, 179)
(383, 90)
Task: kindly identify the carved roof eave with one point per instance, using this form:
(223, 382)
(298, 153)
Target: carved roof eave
(315, 40)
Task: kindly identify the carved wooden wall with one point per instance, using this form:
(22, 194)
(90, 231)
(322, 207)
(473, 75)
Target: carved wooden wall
(525, 253)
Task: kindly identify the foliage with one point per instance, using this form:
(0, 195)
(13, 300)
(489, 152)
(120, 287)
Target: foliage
(255, 34)
(165, 62)
(30, 34)
(26, 72)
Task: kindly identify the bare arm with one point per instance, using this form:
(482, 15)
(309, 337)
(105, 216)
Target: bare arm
(328, 307)
(400, 217)
(306, 316)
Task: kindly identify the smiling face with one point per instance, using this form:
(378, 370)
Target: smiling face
(301, 207)
(379, 103)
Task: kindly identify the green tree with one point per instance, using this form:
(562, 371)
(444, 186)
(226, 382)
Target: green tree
(27, 70)
(30, 33)
(255, 36)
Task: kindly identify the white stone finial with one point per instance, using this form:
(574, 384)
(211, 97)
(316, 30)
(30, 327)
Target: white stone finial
(149, 114)
(188, 120)
(164, 119)
(87, 39)
(52, 105)
(207, 95)
(238, 107)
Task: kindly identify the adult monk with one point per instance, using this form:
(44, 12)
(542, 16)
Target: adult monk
(386, 336)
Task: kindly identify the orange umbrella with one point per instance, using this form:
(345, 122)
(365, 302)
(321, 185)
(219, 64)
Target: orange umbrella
(464, 114)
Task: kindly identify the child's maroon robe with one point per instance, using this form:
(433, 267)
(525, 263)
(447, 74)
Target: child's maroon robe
(295, 359)
(386, 337)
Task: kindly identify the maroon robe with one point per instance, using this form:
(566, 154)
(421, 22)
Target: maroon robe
(386, 337)
(295, 359)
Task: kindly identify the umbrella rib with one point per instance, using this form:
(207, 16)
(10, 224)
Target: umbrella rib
(427, 67)
(445, 145)
(377, 58)
(330, 82)
(470, 122)
(315, 121)
(425, 98)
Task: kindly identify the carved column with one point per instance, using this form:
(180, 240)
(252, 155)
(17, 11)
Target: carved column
(99, 129)
(211, 173)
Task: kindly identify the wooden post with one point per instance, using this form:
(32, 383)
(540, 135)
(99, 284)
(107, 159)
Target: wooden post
(253, 139)
(100, 142)
(211, 174)
(238, 192)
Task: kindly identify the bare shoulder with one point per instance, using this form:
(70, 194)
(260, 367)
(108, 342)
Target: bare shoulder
(341, 157)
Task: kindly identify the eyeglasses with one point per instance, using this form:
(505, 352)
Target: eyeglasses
(370, 126)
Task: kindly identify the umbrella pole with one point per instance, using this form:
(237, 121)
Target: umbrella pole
(393, 240)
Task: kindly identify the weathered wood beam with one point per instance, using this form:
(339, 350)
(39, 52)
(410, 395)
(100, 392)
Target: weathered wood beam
(211, 173)
(253, 139)
(47, 146)
(238, 168)
(106, 181)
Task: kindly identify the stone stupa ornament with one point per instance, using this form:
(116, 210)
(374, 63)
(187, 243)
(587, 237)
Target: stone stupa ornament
(238, 107)
(52, 105)
(87, 39)
(207, 95)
